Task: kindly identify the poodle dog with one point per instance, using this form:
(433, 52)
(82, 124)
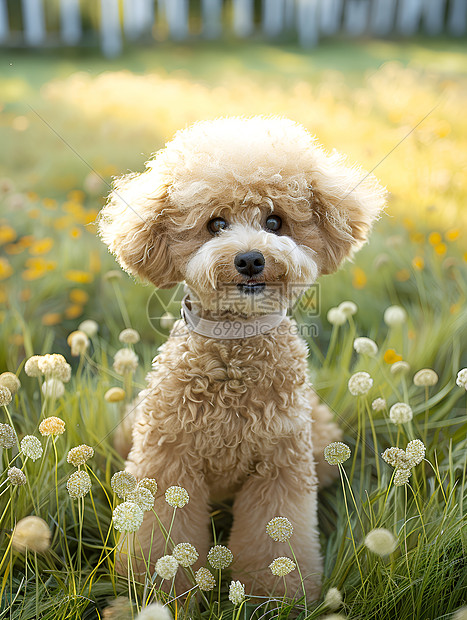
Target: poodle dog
(248, 212)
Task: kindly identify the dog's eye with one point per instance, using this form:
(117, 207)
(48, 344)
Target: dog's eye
(216, 225)
(273, 223)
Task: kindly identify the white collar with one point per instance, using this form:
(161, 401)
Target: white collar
(230, 329)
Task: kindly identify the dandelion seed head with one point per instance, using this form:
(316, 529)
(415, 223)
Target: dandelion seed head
(78, 342)
(143, 497)
(79, 455)
(78, 484)
(31, 367)
(425, 377)
(336, 316)
(148, 483)
(123, 483)
(365, 346)
(52, 426)
(379, 404)
(54, 366)
(279, 529)
(461, 379)
(401, 477)
(115, 395)
(177, 497)
(89, 327)
(381, 541)
(127, 517)
(31, 533)
(53, 388)
(125, 361)
(415, 452)
(156, 611)
(236, 592)
(360, 383)
(220, 557)
(129, 336)
(400, 368)
(16, 476)
(166, 567)
(205, 580)
(282, 566)
(349, 308)
(10, 381)
(396, 457)
(336, 453)
(31, 447)
(395, 316)
(333, 599)
(185, 554)
(7, 436)
(5, 396)
(400, 413)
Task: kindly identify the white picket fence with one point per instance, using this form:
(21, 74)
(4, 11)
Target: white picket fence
(309, 20)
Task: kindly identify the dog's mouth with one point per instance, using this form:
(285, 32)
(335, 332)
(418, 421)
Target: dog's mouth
(251, 287)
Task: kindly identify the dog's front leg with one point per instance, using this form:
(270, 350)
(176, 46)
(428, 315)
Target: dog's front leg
(279, 493)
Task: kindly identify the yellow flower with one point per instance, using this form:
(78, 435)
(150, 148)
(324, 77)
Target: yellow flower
(441, 249)
(78, 296)
(52, 426)
(434, 238)
(390, 357)
(418, 263)
(114, 395)
(82, 277)
(73, 312)
(49, 203)
(41, 246)
(6, 269)
(76, 195)
(403, 275)
(33, 274)
(51, 318)
(75, 233)
(359, 278)
(7, 234)
(34, 214)
(452, 234)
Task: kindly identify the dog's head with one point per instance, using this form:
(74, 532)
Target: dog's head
(248, 212)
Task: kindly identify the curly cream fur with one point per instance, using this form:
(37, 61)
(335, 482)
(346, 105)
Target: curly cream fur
(237, 418)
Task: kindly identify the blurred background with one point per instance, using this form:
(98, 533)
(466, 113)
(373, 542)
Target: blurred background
(90, 89)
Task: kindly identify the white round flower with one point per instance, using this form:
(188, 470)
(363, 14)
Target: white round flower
(415, 452)
(395, 316)
(129, 336)
(185, 554)
(205, 580)
(220, 557)
(461, 379)
(53, 388)
(379, 404)
(381, 541)
(336, 453)
(127, 517)
(78, 342)
(10, 381)
(279, 529)
(31, 447)
(156, 611)
(16, 476)
(123, 483)
(282, 566)
(336, 316)
(396, 457)
(349, 308)
(400, 413)
(143, 497)
(79, 455)
(148, 483)
(401, 368)
(78, 484)
(236, 592)
(31, 367)
(177, 497)
(401, 477)
(425, 377)
(7, 436)
(31, 533)
(360, 383)
(89, 327)
(54, 366)
(166, 567)
(125, 361)
(333, 599)
(365, 346)
(5, 396)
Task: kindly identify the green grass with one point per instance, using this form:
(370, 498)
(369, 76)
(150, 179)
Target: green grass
(363, 99)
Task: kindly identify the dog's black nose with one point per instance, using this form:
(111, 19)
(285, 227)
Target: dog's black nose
(249, 263)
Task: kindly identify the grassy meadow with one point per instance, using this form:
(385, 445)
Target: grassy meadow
(69, 123)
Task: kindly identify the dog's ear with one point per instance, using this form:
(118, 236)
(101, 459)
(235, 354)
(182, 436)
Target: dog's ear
(346, 200)
(133, 225)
